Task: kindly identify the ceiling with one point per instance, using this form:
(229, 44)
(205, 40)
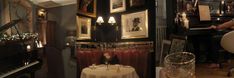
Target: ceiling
(53, 3)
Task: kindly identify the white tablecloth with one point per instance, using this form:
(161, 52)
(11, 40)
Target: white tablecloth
(101, 72)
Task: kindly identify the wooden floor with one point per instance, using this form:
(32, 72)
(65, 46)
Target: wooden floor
(202, 71)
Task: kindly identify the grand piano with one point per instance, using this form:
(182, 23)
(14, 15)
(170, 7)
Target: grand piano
(203, 41)
(15, 59)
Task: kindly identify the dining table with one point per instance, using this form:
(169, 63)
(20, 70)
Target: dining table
(109, 71)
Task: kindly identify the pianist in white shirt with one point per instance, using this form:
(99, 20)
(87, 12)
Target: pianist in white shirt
(225, 25)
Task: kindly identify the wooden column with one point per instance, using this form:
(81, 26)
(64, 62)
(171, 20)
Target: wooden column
(47, 32)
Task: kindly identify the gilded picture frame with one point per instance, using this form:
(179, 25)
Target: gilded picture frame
(87, 7)
(83, 28)
(117, 6)
(135, 25)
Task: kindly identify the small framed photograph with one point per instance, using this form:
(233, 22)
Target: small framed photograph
(134, 3)
(117, 6)
(135, 25)
(87, 7)
(83, 28)
(178, 44)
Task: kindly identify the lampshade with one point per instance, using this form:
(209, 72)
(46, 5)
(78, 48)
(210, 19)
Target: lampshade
(222, 2)
(227, 41)
(111, 20)
(42, 13)
(100, 20)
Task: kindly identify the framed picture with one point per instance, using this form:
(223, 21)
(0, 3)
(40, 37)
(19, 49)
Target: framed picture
(135, 25)
(21, 9)
(87, 7)
(117, 6)
(178, 44)
(166, 44)
(83, 28)
(137, 3)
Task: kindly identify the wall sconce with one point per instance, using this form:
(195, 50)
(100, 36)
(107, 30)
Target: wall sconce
(42, 13)
(100, 20)
(111, 20)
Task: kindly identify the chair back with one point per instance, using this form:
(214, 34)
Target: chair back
(227, 41)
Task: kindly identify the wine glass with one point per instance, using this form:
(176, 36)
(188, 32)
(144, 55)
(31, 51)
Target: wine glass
(107, 59)
(106, 63)
(93, 64)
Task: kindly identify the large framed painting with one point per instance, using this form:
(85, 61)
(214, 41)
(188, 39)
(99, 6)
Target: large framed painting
(134, 3)
(117, 6)
(135, 25)
(83, 28)
(87, 7)
(21, 9)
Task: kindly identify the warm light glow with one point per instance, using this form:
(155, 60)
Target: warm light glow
(42, 13)
(100, 20)
(195, 4)
(39, 44)
(218, 12)
(111, 20)
(67, 44)
(184, 15)
(222, 2)
(28, 47)
(186, 23)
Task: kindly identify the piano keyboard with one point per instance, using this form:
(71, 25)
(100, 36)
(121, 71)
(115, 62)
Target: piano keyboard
(18, 69)
(202, 28)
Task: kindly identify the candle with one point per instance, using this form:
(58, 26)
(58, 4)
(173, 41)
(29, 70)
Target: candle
(222, 12)
(186, 23)
(40, 45)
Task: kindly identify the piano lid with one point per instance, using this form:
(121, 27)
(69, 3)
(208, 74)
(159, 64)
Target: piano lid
(8, 25)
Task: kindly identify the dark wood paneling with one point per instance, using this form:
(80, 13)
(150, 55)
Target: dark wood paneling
(47, 32)
(108, 34)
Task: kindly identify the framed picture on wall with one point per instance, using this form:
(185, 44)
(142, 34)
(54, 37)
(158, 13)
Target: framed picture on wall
(83, 28)
(87, 7)
(134, 3)
(135, 25)
(117, 6)
(21, 9)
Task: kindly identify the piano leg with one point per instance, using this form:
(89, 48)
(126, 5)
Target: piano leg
(32, 74)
